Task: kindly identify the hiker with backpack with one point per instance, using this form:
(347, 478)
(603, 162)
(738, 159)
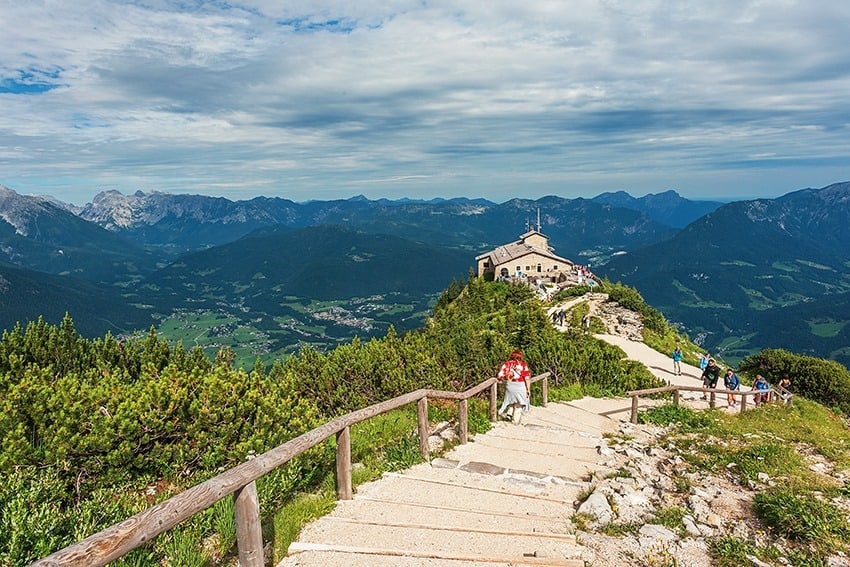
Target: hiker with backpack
(703, 360)
(677, 360)
(710, 376)
(732, 382)
(761, 385)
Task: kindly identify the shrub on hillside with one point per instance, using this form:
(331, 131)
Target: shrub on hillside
(87, 422)
(824, 381)
(629, 298)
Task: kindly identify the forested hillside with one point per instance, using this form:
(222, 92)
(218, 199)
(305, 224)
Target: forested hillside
(768, 273)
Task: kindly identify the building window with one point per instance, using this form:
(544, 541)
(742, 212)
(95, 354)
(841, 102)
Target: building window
(539, 268)
(486, 264)
(528, 268)
(555, 267)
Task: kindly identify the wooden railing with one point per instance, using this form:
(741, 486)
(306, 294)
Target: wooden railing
(240, 481)
(712, 392)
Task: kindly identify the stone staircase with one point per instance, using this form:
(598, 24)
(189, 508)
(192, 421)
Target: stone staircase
(504, 498)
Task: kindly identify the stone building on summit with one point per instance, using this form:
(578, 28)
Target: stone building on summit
(529, 257)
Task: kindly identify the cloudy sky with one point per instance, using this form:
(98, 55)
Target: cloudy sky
(480, 98)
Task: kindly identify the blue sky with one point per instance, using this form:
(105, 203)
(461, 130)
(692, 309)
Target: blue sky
(495, 99)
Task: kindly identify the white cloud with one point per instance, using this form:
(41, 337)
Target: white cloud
(495, 99)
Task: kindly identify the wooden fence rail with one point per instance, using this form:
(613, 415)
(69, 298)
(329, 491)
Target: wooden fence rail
(712, 392)
(240, 481)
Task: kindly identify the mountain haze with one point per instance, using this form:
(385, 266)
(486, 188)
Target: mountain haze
(668, 208)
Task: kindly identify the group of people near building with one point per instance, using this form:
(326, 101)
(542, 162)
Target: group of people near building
(711, 372)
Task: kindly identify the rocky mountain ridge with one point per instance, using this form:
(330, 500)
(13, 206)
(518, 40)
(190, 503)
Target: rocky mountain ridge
(667, 207)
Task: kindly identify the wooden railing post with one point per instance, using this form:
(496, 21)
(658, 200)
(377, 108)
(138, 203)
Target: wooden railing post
(343, 464)
(675, 397)
(712, 402)
(545, 391)
(744, 402)
(422, 417)
(494, 397)
(463, 421)
(634, 409)
(249, 533)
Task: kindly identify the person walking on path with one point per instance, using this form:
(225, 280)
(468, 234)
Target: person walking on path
(732, 382)
(516, 375)
(762, 386)
(785, 388)
(710, 376)
(677, 360)
(703, 360)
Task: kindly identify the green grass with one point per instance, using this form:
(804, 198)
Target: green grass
(693, 300)
(671, 517)
(289, 520)
(796, 504)
(804, 518)
(826, 327)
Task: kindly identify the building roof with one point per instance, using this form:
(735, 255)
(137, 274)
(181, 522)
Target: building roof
(519, 249)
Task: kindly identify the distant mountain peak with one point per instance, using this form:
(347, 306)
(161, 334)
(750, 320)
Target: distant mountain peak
(667, 207)
(19, 210)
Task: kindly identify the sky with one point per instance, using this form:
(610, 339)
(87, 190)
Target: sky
(728, 99)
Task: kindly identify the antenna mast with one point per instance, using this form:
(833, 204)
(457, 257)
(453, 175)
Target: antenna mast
(538, 219)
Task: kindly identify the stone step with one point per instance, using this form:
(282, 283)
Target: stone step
(573, 417)
(618, 409)
(543, 434)
(448, 515)
(312, 555)
(572, 463)
(483, 493)
(425, 542)
(505, 498)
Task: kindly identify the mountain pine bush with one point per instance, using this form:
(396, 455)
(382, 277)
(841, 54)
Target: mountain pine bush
(93, 431)
(824, 381)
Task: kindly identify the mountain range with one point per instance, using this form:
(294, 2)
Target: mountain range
(747, 273)
(189, 222)
(320, 272)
